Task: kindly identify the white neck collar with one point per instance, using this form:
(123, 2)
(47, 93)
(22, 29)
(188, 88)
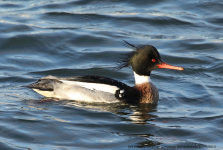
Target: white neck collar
(139, 79)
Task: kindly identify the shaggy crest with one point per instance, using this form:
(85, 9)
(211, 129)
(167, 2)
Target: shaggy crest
(125, 60)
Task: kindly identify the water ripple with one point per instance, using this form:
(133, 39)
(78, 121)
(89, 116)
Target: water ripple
(68, 38)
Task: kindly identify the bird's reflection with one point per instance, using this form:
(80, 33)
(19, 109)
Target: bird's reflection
(137, 114)
(141, 114)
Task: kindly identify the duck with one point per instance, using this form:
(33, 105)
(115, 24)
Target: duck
(143, 59)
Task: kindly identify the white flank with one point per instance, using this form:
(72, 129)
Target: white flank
(44, 93)
(93, 86)
(141, 79)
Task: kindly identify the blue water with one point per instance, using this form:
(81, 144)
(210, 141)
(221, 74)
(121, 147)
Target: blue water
(69, 38)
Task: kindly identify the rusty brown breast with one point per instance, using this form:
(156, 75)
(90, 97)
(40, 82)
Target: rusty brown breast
(148, 93)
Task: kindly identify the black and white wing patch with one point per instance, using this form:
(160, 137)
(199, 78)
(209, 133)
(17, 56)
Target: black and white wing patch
(94, 83)
(120, 94)
(120, 90)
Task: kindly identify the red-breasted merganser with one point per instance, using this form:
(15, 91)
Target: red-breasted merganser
(143, 59)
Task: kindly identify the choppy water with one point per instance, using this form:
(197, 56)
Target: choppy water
(68, 38)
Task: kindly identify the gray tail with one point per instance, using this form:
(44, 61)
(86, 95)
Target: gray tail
(44, 84)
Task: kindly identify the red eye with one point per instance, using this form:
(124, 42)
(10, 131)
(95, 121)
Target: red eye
(153, 60)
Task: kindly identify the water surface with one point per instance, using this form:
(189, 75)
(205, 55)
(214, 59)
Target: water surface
(69, 38)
